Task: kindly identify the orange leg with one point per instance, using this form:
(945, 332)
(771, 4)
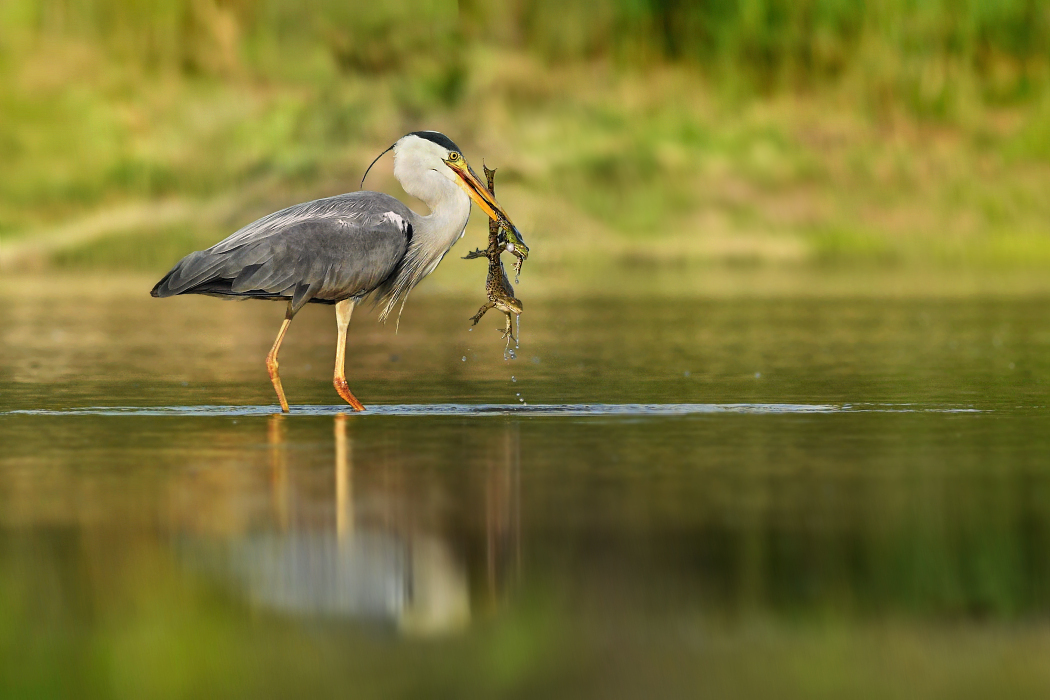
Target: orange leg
(342, 319)
(271, 360)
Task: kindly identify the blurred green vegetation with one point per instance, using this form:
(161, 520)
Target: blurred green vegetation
(756, 131)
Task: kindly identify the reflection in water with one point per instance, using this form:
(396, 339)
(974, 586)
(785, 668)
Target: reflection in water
(502, 516)
(368, 553)
(682, 521)
(276, 430)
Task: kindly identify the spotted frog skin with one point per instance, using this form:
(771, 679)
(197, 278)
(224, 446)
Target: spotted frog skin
(510, 240)
(502, 236)
(497, 288)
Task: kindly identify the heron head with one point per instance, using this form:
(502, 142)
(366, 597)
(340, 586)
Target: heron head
(422, 151)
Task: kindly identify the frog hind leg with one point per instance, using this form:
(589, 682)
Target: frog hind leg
(508, 332)
(481, 312)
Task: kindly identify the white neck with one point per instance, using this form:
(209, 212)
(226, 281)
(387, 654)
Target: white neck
(433, 235)
(449, 205)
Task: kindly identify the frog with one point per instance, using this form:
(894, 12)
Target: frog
(509, 239)
(498, 289)
(503, 236)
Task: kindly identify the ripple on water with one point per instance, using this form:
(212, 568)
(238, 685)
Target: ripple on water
(597, 409)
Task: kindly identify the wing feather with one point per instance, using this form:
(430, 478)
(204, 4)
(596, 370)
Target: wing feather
(325, 250)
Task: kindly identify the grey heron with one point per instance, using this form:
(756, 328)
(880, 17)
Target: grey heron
(342, 249)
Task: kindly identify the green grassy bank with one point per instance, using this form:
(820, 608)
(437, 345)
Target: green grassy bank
(745, 133)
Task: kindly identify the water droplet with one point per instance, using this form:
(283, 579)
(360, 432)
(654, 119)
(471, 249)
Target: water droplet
(464, 359)
(535, 360)
(470, 329)
(686, 373)
(758, 375)
(518, 394)
(512, 378)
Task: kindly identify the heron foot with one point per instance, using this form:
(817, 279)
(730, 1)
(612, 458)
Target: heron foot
(344, 391)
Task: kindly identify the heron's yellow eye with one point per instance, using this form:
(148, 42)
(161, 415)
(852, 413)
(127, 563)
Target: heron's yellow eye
(453, 156)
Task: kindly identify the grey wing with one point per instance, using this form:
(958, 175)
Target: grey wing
(325, 251)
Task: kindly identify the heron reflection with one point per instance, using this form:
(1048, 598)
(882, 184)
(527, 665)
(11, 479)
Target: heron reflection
(369, 551)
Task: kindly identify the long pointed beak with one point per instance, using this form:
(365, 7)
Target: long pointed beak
(477, 191)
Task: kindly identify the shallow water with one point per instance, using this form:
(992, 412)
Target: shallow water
(482, 409)
(672, 498)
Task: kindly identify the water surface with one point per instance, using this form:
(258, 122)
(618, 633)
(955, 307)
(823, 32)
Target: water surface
(660, 497)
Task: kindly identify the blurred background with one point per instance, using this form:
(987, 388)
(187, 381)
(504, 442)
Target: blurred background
(656, 136)
(786, 305)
